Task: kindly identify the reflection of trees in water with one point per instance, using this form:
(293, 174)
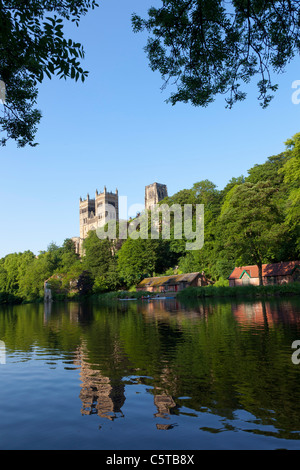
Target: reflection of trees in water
(173, 310)
(223, 356)
(228, 356)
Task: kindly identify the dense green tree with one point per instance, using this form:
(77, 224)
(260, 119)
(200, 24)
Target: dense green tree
(184, 196)
(211, 47)
(33, 45)
(232, 182)
(98, 254)
(12, 269)
(68, 256)
(251, 225)
(203, 192)
(269, 171)
(32, 282)
(100, 261)
(291, 173)
(143, 258)
(34, 271)
(85, 283)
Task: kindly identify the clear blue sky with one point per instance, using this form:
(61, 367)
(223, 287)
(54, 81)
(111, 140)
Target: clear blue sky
(116, 130)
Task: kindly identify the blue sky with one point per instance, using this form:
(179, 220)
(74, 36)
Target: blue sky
(116, 130)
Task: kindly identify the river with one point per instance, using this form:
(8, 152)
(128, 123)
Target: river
(150, 375)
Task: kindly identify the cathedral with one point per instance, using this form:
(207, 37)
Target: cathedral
(96, 212)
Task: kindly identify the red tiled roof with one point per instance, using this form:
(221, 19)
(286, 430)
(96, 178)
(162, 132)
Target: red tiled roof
(278, 269)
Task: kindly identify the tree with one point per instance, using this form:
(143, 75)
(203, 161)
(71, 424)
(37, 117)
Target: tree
(32, 46)
(12, 269)
(100, 261)
(291, 174)
(251, 225)
(85, 283)
(69, 257)
(211, 47)
(270, 170)
(32, 282)
(141, 258)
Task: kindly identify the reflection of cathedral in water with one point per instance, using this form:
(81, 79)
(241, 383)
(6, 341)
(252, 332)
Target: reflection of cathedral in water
(164, 404)
(99, 394)
(104, 395)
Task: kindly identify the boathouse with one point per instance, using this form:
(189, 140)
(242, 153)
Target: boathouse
(172, 283)
(277, 273)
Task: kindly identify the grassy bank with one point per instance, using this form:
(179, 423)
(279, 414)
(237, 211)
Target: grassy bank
(194, 293)
(191, 293)
(239, 291)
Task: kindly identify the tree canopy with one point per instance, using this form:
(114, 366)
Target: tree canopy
(202, 49)
(291, 172)
(211, 47)
(251, 224)
(33, 45)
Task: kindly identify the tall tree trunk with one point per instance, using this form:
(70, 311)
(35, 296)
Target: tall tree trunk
(260, 273)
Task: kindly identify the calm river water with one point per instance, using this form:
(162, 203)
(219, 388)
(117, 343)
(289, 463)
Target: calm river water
(150, 375)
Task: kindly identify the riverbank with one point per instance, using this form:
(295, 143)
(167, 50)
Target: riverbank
(239, 291)
(194, 293)
(9, 299)
(190, 293)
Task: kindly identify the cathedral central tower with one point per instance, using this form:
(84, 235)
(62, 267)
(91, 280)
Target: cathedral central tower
(154, 193)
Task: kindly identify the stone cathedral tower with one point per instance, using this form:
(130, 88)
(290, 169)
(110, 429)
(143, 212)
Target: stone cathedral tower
(94, 213)
(154, 193)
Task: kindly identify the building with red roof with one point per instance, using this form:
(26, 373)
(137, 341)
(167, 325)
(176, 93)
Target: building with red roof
(277, 273)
